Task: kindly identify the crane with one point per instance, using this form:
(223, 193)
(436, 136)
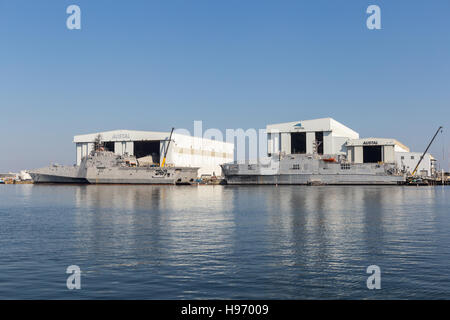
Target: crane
(167, 148)
(423, 155)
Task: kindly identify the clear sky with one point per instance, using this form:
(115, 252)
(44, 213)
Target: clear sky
(151, 65)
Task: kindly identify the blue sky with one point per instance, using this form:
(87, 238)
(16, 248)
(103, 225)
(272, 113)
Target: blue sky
(151, 65)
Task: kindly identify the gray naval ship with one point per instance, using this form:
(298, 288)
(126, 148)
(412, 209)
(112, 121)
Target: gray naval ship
(105, 167)
(311, 169)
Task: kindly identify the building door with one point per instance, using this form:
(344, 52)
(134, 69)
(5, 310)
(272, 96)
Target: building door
(147, 148)
(298, 142)
(372, 154)
(109, 146)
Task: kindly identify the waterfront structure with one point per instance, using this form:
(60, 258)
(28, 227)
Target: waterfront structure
(149, 147)
(321, 136)
(327, 136)
(374, 150)
(407, 161)
(324, 151)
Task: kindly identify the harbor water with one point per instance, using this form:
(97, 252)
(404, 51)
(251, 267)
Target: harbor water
(224, 242)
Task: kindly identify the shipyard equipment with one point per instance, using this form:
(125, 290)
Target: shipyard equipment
(167, 148)
(424, 153)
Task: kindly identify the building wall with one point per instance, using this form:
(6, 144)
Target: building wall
(122, 147)
(405, 162)
(356, 154)
(184, 150)
(286, 143)
(339, 145)
(358, 150)
(351, 154)
(388, 154)
(82, 150)
(273, 143)
(328, 143)
(335, 135)
(197, 152)
(310, 138)
(401, 148)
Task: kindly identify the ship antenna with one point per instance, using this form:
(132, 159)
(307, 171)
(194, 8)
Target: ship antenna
(98, 144)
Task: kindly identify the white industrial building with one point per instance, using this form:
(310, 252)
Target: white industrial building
(184, 150)
(373, 150)
(407, 161)
(325, 136)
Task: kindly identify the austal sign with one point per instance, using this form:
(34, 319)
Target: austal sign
(298, 126)
(370, 142)
(121, 136)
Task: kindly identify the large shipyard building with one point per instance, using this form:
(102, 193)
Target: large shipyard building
(329, 137)
(325, 136)
(150, 146)
(373, 150)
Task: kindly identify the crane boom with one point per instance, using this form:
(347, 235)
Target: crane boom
(167, 148)
(423, 155)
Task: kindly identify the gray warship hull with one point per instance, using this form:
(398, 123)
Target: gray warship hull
(141, 175)
(313, 179)
(58, 174)
(43, 178)
(310, 170)
(108, 168)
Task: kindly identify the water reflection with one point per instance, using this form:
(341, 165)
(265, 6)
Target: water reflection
(256, 242)
(155, 225)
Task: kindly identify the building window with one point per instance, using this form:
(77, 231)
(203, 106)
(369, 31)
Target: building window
(403, 157)
(412, 157)
(296, 167)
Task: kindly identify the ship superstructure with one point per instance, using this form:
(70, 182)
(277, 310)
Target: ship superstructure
(105, 167)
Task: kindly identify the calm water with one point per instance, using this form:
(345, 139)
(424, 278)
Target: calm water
(260, 242)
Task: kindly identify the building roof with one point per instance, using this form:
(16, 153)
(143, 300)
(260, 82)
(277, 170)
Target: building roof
(122, 135)
(322, 124)
(133, 135)
(377, 141)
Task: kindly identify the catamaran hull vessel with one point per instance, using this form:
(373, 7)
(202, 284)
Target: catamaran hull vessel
(311, 170)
